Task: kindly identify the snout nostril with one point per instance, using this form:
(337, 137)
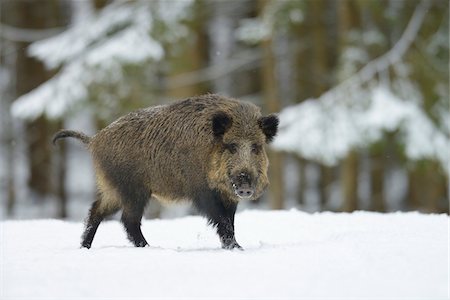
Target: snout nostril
(244, 192)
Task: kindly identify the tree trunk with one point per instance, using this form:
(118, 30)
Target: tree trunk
(319, 71)
(9, 149)
(302, 182)
(350, 182)
(427, 188)
(38, 137)
(272, 105)
(325, 181)
(348, 19)
(377, 201)
(303, 90)
(7, 163)
(321, 83)
(61, 180)
(435, 187)
(30, 73)
(413, 195)
(222, 42)
(27, 73)
(189, 55)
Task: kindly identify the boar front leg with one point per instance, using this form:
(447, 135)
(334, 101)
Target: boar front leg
(220, 213)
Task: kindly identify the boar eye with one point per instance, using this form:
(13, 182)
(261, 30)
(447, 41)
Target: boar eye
(231, 147)
(256, 149)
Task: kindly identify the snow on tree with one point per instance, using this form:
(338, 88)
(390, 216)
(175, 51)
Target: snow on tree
(326, 131)
(277, 15)
(95, 51)
(366, 104)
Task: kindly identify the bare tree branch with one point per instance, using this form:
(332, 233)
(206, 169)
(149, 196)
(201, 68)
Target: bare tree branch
(242, 60)
(17, 34)
(391, 57)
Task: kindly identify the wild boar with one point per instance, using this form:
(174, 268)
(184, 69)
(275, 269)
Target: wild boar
(207, 149)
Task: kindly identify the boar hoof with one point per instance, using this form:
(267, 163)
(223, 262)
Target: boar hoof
(141, 244)
(86, 245)
(231, 246)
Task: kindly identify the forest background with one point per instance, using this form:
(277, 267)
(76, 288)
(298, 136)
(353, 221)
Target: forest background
(361, 88)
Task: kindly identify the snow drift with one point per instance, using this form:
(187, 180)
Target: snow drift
(289, 254)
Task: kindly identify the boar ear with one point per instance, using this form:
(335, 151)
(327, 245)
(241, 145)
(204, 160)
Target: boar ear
(269, 125)
(221, 122)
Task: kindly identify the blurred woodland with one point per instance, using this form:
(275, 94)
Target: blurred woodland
(362, 88)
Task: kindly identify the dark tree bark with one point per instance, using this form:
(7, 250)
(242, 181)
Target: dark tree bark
(302, 182)
(377, 201)
(61, 171)
(272, 105)
(29, 74)
(350, 182)
(348, 17)
(7, 61)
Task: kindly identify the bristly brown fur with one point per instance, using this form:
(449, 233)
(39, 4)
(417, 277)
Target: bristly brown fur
(189, 150)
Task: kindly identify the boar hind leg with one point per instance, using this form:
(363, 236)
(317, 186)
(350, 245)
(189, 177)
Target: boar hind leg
(134, 201)
(220, 213)
(100, 209)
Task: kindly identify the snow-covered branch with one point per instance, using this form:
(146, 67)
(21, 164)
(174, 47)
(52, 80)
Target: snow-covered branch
(358, 111)
(394, 55)
(95, 52)
(242, 60)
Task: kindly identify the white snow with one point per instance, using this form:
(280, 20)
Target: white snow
(253, 31)
(289, 254)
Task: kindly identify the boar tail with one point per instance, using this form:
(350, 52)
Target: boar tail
(73, 134)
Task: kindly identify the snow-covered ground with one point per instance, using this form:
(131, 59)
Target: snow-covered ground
(289, 254)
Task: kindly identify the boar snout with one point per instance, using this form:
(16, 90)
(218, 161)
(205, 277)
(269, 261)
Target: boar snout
(242, 185)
